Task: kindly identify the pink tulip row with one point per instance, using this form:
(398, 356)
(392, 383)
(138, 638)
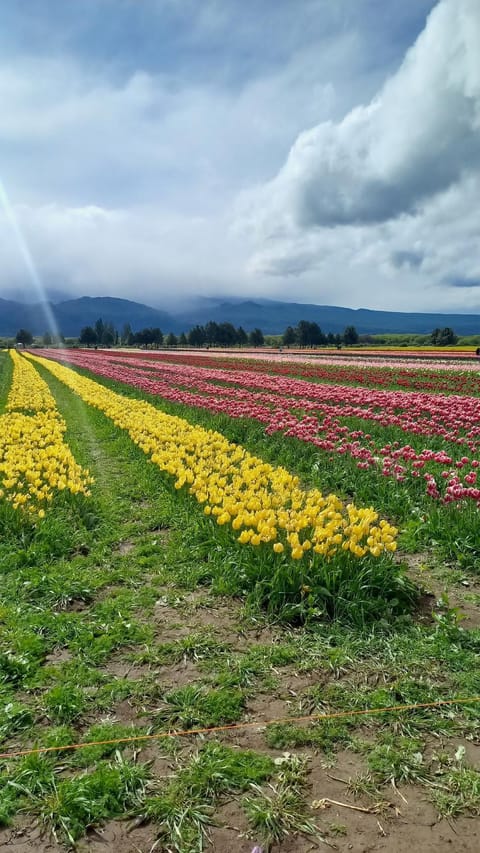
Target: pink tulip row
(315, 413)
(439, 377)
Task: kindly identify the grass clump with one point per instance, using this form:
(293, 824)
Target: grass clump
(65, 703)
(195, 706)
(75, 804)
(196, 646)
(398, 759)
(184, 808)
(326, 735)
(105, 731)
(458, 792)
(282, 811)
(14, 717)
(8, 801)
(254, 666)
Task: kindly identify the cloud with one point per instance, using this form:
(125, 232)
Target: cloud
(404, 258)
(140, 253)
(126, 168)
(416, 138)
(123, 180)
(464, 282)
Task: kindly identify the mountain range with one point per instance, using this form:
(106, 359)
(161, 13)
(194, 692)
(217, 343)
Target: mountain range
(271, 316)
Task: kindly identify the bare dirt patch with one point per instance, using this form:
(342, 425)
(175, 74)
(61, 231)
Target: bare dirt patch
(125, 547)
(436, 584)
(119, 668)
(403, 820)
(121, 837)
(125, 712)
(26, 837)
(58, 657)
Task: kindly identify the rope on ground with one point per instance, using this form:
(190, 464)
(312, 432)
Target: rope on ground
(247, 725)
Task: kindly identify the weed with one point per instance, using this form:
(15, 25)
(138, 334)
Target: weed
(363, 784)
(65, 703)
(255, 665)
(282, 811)
(83, 801)
(197, 646)
(337, 828)
(398, 759)
(106, 731)
(184, 808)
(458, 792)
(194, 706)
(326, 735)
(14, 717)
(183, 824)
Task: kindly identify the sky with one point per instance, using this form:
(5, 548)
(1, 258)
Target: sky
(302, 150)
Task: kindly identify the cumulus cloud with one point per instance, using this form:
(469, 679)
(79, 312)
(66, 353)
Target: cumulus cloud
(142, 253)
(122, 183)
(417, 137)
(124, 171)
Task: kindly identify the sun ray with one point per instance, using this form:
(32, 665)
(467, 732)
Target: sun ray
(29, 263)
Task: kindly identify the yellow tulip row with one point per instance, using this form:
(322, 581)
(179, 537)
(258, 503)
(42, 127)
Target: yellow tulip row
(28, 391)
(35, 461)
(264, 504)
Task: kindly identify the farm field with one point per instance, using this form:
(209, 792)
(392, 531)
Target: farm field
(284, 551)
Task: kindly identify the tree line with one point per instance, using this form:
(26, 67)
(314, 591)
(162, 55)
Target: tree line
(212, 334)
(305, 334)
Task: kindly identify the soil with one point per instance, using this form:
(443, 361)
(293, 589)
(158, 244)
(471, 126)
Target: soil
(405, 820)
(468, 613)
(125, 548)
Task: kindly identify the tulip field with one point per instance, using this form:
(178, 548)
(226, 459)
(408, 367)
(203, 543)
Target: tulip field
(240, 601)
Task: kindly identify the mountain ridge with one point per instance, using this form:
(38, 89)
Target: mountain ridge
(272, 316)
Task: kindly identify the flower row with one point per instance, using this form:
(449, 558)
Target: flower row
(35, 461)
(262, 503)
(437, 376)
(321, 415)
(28, 392)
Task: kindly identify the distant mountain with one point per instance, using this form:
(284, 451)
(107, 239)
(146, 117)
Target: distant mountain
(269, 315)
(273, 317)
(20, 294)
(72, 315)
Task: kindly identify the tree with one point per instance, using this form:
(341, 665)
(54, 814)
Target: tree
(47, 339)
(171, 340)
(108, 336)
(157, 337)
(444, 337)
(182, 341)
(148, 337)
(25, 337)
(289, 337)
(302, 333)
(350, 336)
(211, 333)
(306, 334)
(317, 338)
(242, 337)
(126, 336)
(256, 338)
(88, 336)
(196, 336)
(226, 335)
(99, 329)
